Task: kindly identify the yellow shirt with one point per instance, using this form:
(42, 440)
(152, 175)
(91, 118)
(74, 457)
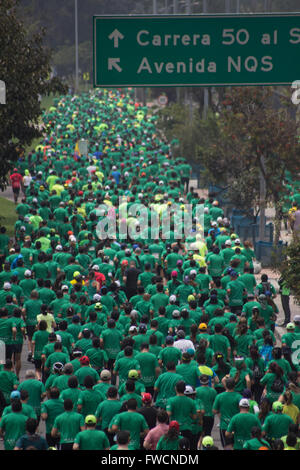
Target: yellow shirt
(49, 319)
(291, 410)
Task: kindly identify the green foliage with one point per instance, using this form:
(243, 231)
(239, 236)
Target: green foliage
(25, 68)
(64, 58)
(290, 268)
(247, 128)
(175, 123)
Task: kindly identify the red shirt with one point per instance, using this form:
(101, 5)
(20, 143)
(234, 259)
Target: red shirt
(16, 179)
(99, 278)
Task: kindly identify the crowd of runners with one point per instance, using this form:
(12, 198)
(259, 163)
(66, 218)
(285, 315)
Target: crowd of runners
(137, 337)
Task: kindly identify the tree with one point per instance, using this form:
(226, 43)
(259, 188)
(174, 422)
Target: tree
(25, 67)
(253, 139)
(290, 269)
(176, 122)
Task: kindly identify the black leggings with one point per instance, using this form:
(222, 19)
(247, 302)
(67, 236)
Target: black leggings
(208, 424)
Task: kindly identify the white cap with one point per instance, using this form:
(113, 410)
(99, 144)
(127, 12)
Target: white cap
(189, 390)
(64, 287)
(172, 298)
(133, 328)
(244, 403)
(96, 297)
(114, 167)
(27, 273)
(95, 267)
(7, 285)
(228, 242)
(58, 248)
(237, 241)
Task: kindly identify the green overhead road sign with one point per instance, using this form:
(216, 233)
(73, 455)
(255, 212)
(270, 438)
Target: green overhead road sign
(196, 50)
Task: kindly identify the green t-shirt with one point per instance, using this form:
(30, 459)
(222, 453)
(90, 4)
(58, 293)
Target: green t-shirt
(83, 372)
(68, 424)
(19, 324)
(147, 363)
(112, 338)
(241, 425)
(27, 286)
(236, 293)
(53, 407)
(72, 394)
(8, 382)
(6, 330)
(182, 408)
(219, 343)
(97, 357)
(32, 309)
(168, 444)
(207, 396)
(40, 270)
(27, 410)
(54, 357)
(165, 384)
(40, 339)
(92, 439)
(14, 426)
(276, 425)
(89, 399)
(35, 389)
(139, 388)
(249, 281)
(169, 354)
(255, 444)
(106, 411)
(216, 265)
(189, 372)
(159, 300)
(133, 422)
(124, 365)
(227, 404)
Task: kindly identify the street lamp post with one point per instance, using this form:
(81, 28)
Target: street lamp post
(76, 48)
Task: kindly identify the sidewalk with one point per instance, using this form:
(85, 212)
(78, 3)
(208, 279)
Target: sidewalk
(8, 194)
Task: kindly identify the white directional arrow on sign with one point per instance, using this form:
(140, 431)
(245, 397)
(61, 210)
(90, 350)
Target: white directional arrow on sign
(113, 63)
(116, 35)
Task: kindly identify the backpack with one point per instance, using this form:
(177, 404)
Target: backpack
(278, 385)
(266, 288)
(257, 373)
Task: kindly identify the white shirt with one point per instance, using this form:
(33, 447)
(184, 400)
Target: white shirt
(184, 345)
